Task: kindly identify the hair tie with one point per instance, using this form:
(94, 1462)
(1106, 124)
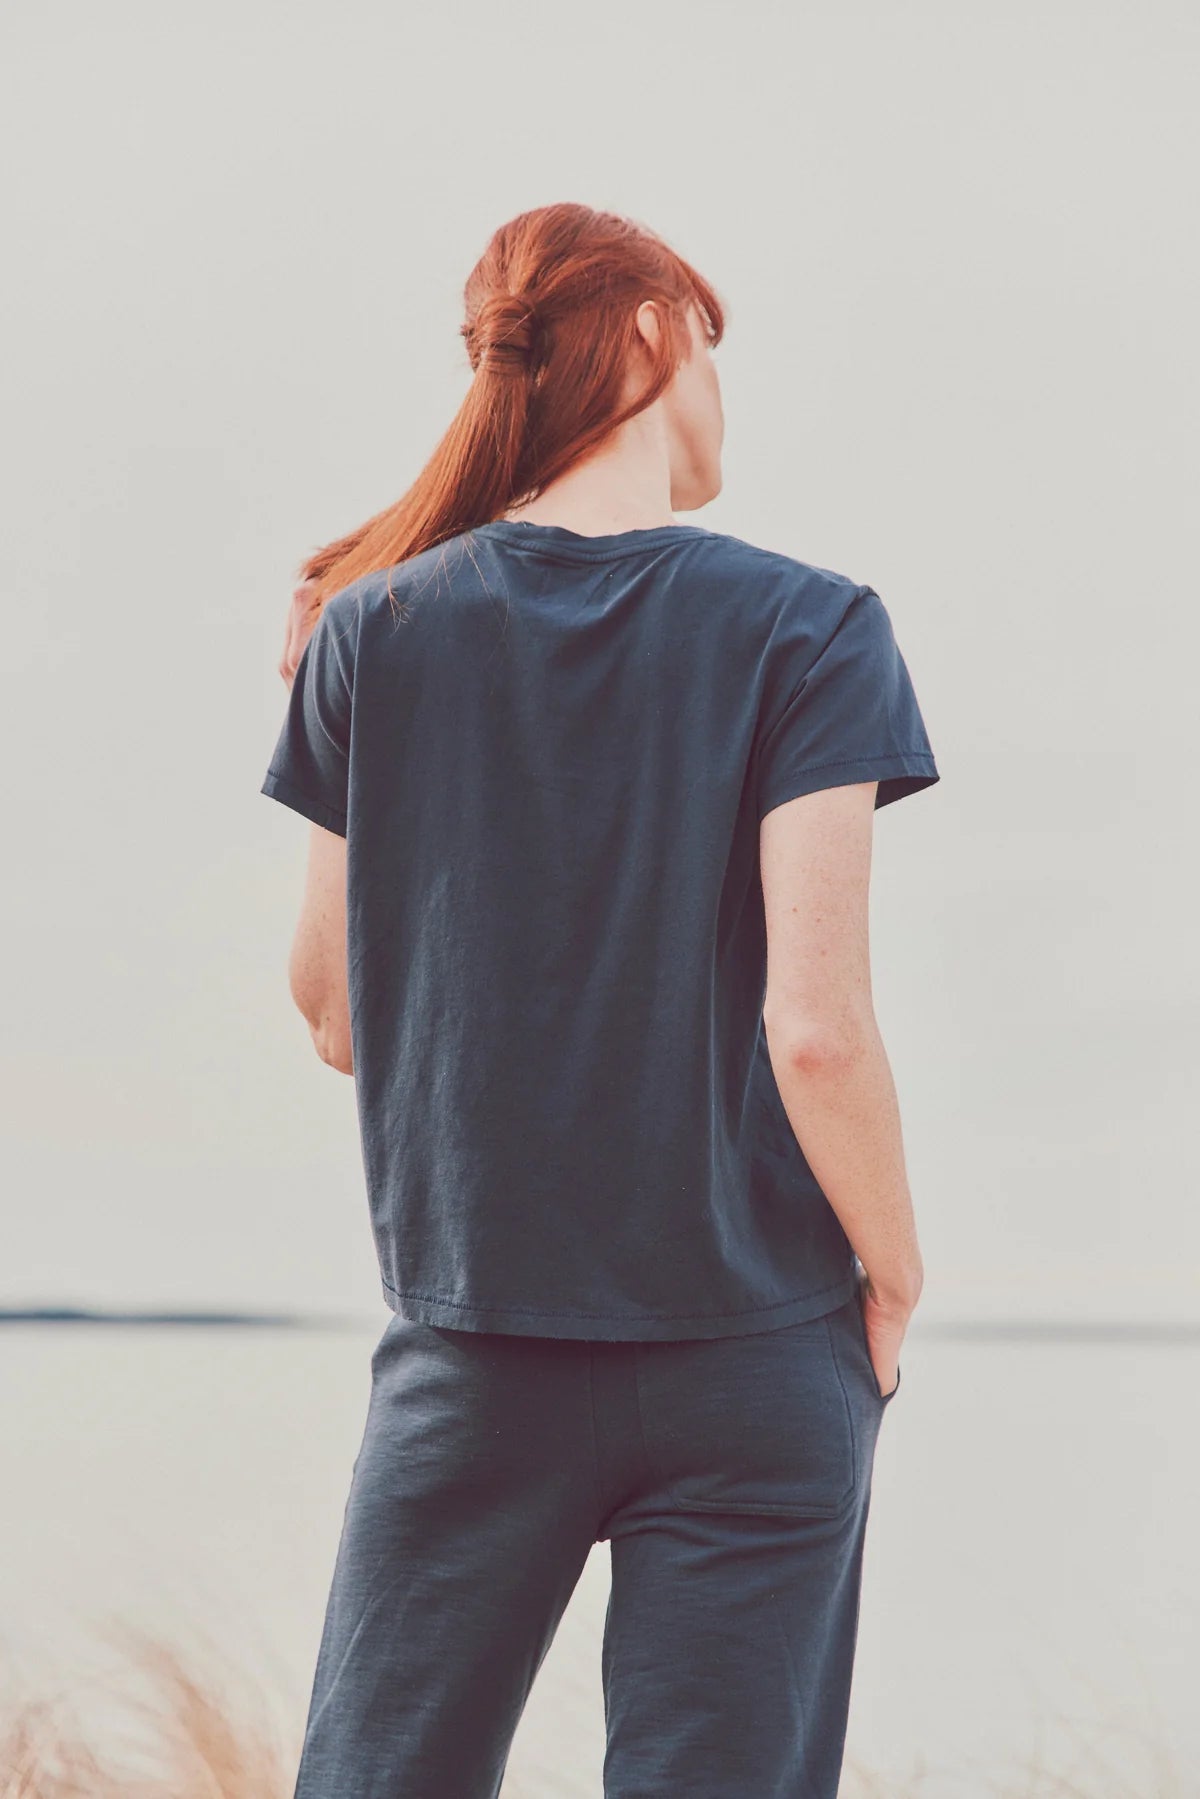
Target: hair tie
(504, 331)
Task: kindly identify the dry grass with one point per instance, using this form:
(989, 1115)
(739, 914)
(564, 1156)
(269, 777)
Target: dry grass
(191, 1729)
(197, 1728)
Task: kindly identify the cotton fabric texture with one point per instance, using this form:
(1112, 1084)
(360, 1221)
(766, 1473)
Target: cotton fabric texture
(732, 1481)
(550, 776)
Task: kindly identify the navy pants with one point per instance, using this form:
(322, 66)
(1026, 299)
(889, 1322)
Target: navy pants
(731, 1477)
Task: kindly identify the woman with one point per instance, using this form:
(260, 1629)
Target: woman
(592, 796)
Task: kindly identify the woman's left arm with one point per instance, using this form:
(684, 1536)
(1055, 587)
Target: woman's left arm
(317, 966)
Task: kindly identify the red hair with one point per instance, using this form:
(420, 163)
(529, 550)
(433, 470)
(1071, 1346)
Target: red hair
(550, 325)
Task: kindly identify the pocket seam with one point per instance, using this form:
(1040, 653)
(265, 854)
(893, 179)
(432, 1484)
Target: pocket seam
(766, 1507)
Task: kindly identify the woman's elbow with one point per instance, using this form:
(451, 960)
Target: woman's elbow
(335, 1049)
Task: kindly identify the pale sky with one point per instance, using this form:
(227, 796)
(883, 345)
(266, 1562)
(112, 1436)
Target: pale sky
(956, 251)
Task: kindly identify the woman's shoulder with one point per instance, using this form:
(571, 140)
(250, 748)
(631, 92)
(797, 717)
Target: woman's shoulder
(784, 583)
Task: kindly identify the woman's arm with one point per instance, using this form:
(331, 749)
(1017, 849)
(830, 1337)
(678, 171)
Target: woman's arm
(825, 1048)
(317, 967)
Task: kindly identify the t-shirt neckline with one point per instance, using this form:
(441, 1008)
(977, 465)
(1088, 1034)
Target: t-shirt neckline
(557, 540)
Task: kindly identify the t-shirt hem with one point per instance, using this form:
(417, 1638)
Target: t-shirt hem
(319, 811)
(424, 1308)
(907, 772)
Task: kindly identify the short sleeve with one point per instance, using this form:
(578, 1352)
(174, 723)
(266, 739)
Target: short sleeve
(310, 765)
(851, 716)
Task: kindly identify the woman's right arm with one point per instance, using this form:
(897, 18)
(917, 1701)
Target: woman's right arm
(826, 1052)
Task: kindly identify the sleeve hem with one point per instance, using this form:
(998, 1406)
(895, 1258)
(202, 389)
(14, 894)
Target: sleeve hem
(320, 812)
(897, 775)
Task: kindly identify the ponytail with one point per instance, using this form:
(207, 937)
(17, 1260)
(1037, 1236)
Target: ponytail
(550, 325)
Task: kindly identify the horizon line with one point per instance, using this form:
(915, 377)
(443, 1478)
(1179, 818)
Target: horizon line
(1072, 1329)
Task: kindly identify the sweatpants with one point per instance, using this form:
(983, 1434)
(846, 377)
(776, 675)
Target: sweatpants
(731, 1478)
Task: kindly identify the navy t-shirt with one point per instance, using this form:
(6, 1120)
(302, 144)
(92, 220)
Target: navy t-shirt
(550, 775)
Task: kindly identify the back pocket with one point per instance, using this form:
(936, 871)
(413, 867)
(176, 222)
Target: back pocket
(754, 1424)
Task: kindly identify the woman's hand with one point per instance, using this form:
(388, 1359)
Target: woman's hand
(301, 621)
(886, 1320)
